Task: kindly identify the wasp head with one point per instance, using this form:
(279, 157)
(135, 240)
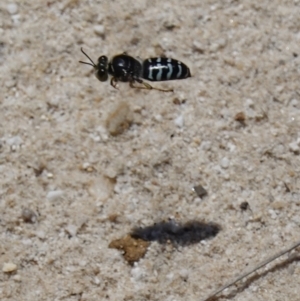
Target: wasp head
(101, 67)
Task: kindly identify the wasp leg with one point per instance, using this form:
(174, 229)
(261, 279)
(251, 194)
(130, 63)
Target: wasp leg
(147, 86)
(113, 82)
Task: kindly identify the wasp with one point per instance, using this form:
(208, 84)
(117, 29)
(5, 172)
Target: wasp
(125, 68)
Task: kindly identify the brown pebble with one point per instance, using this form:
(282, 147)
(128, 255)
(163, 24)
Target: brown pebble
(244, 206)
(134, 249)
(28, 216)
(113, 218)
(176, 101)
(240, 117)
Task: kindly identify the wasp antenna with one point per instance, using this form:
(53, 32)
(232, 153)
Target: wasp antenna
(86, 63)
(92, 63)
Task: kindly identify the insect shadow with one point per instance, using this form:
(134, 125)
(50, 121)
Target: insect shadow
(185, 234)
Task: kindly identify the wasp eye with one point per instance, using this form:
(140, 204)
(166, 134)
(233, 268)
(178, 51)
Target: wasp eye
(103, 60)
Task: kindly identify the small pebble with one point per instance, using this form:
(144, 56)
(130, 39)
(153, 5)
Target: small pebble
(82, 263)
(225, 162)
(16, 140)
(170, 276)
(184, 274)
(49, 175)
(138, 273)
(41, 234)
(72, 230)
(240, 117)
(12, 8)
(249, 103)
(17, 278)
(9, 267)
(86, 166)
(206, 145)
(294, 146)
(272, 214)
(16, 19)
(97, 281)
(101, 188)
(179, 121)
(244, 206)
(200, 191)
(54, 195)
(294, 102)
(28, 216)
(158, 118)
(99, 30)
(198, 46)
(27, 242)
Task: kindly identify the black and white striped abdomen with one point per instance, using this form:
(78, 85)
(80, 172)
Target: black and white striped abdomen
(160, 69)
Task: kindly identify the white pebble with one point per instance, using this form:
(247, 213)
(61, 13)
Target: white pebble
(101, 188)
(17, 278)
(12, 8)
(16, 140)
(296, 219)
(86, 165)
(294, 146)
(99, 30)
(103, 134)
(27, 242)
(272, 214)
(16, 19)
(54, 195)
(40, 234)
(225, 162)
(71, 229)
(184, 273)
(206, 145)
(170, 276)
(82, 263)
(231, 147)
(198, 46)
(50, 175)
(158, 118)
(179, 121)
(294, 102)
(96, 280)
(9, 267)
(249, 102)
(137, 273)
(226, 176)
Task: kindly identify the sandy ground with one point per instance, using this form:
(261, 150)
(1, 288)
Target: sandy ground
(82, 163)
